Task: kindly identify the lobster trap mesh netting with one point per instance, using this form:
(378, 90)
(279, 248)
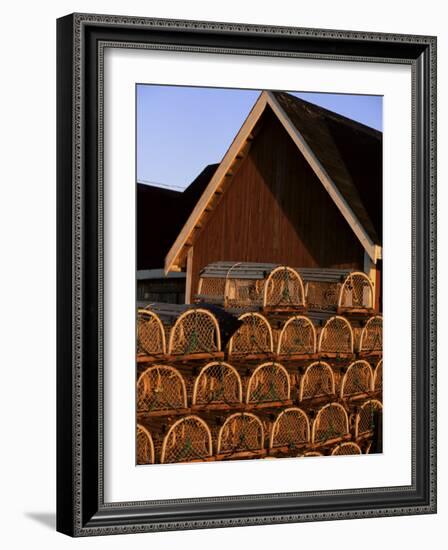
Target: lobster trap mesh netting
(283, 288)
(367, 417)
(356, 292)
(241, 432)
(253, 336)
(150, 333)
(336, 336)
(217, 383)
(195, 331)
(357, 379)
(145, 446)
(347, 448)
(331, 423)
(241, 293)
(291, 429)
(213, 287)
(322, 295)
(378, 377)
(317, 381)
(160, 387)
(188, 439)
(372, 335)
(297, 336)
(269, 382)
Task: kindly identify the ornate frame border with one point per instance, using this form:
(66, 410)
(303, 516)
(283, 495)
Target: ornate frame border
(81, 510)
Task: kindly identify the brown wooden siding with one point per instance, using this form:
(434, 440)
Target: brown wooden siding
(276, 210)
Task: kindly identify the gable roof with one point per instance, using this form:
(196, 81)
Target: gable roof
(338, 142)
(316, 133)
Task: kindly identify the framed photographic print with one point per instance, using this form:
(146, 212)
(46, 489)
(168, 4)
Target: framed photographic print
(246, 274)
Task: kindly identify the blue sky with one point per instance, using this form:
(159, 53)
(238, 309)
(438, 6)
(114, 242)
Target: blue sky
(182, 129)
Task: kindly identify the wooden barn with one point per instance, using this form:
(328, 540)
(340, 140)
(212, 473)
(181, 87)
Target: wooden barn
(161, 214)
(299, 186)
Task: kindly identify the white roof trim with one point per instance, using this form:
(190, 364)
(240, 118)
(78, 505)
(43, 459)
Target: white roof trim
(267, 98)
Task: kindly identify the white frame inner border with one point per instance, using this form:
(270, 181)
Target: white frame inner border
(123, 481)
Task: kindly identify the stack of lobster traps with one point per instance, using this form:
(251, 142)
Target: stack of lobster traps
(264, 364)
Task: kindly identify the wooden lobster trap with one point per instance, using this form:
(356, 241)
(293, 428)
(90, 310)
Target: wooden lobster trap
(269, 384)
(317, 382)
(253, 338)
(297, 339)
(161, 388)
(336, 338)
(368, 419)
(330, 426)
(356, 294)
(290, 432)
(346, 448)
(357, 382)
(188, 440)
(218, 385)
(371, 339)
(241, 436)
(338, 290)
(144, 446)
(283, 290)
(195, 334)
(151, 340)
(251, 286)
(378, 377)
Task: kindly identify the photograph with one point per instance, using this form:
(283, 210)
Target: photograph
(259, 294)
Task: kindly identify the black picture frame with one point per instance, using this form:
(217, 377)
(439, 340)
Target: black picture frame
(81, 510)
